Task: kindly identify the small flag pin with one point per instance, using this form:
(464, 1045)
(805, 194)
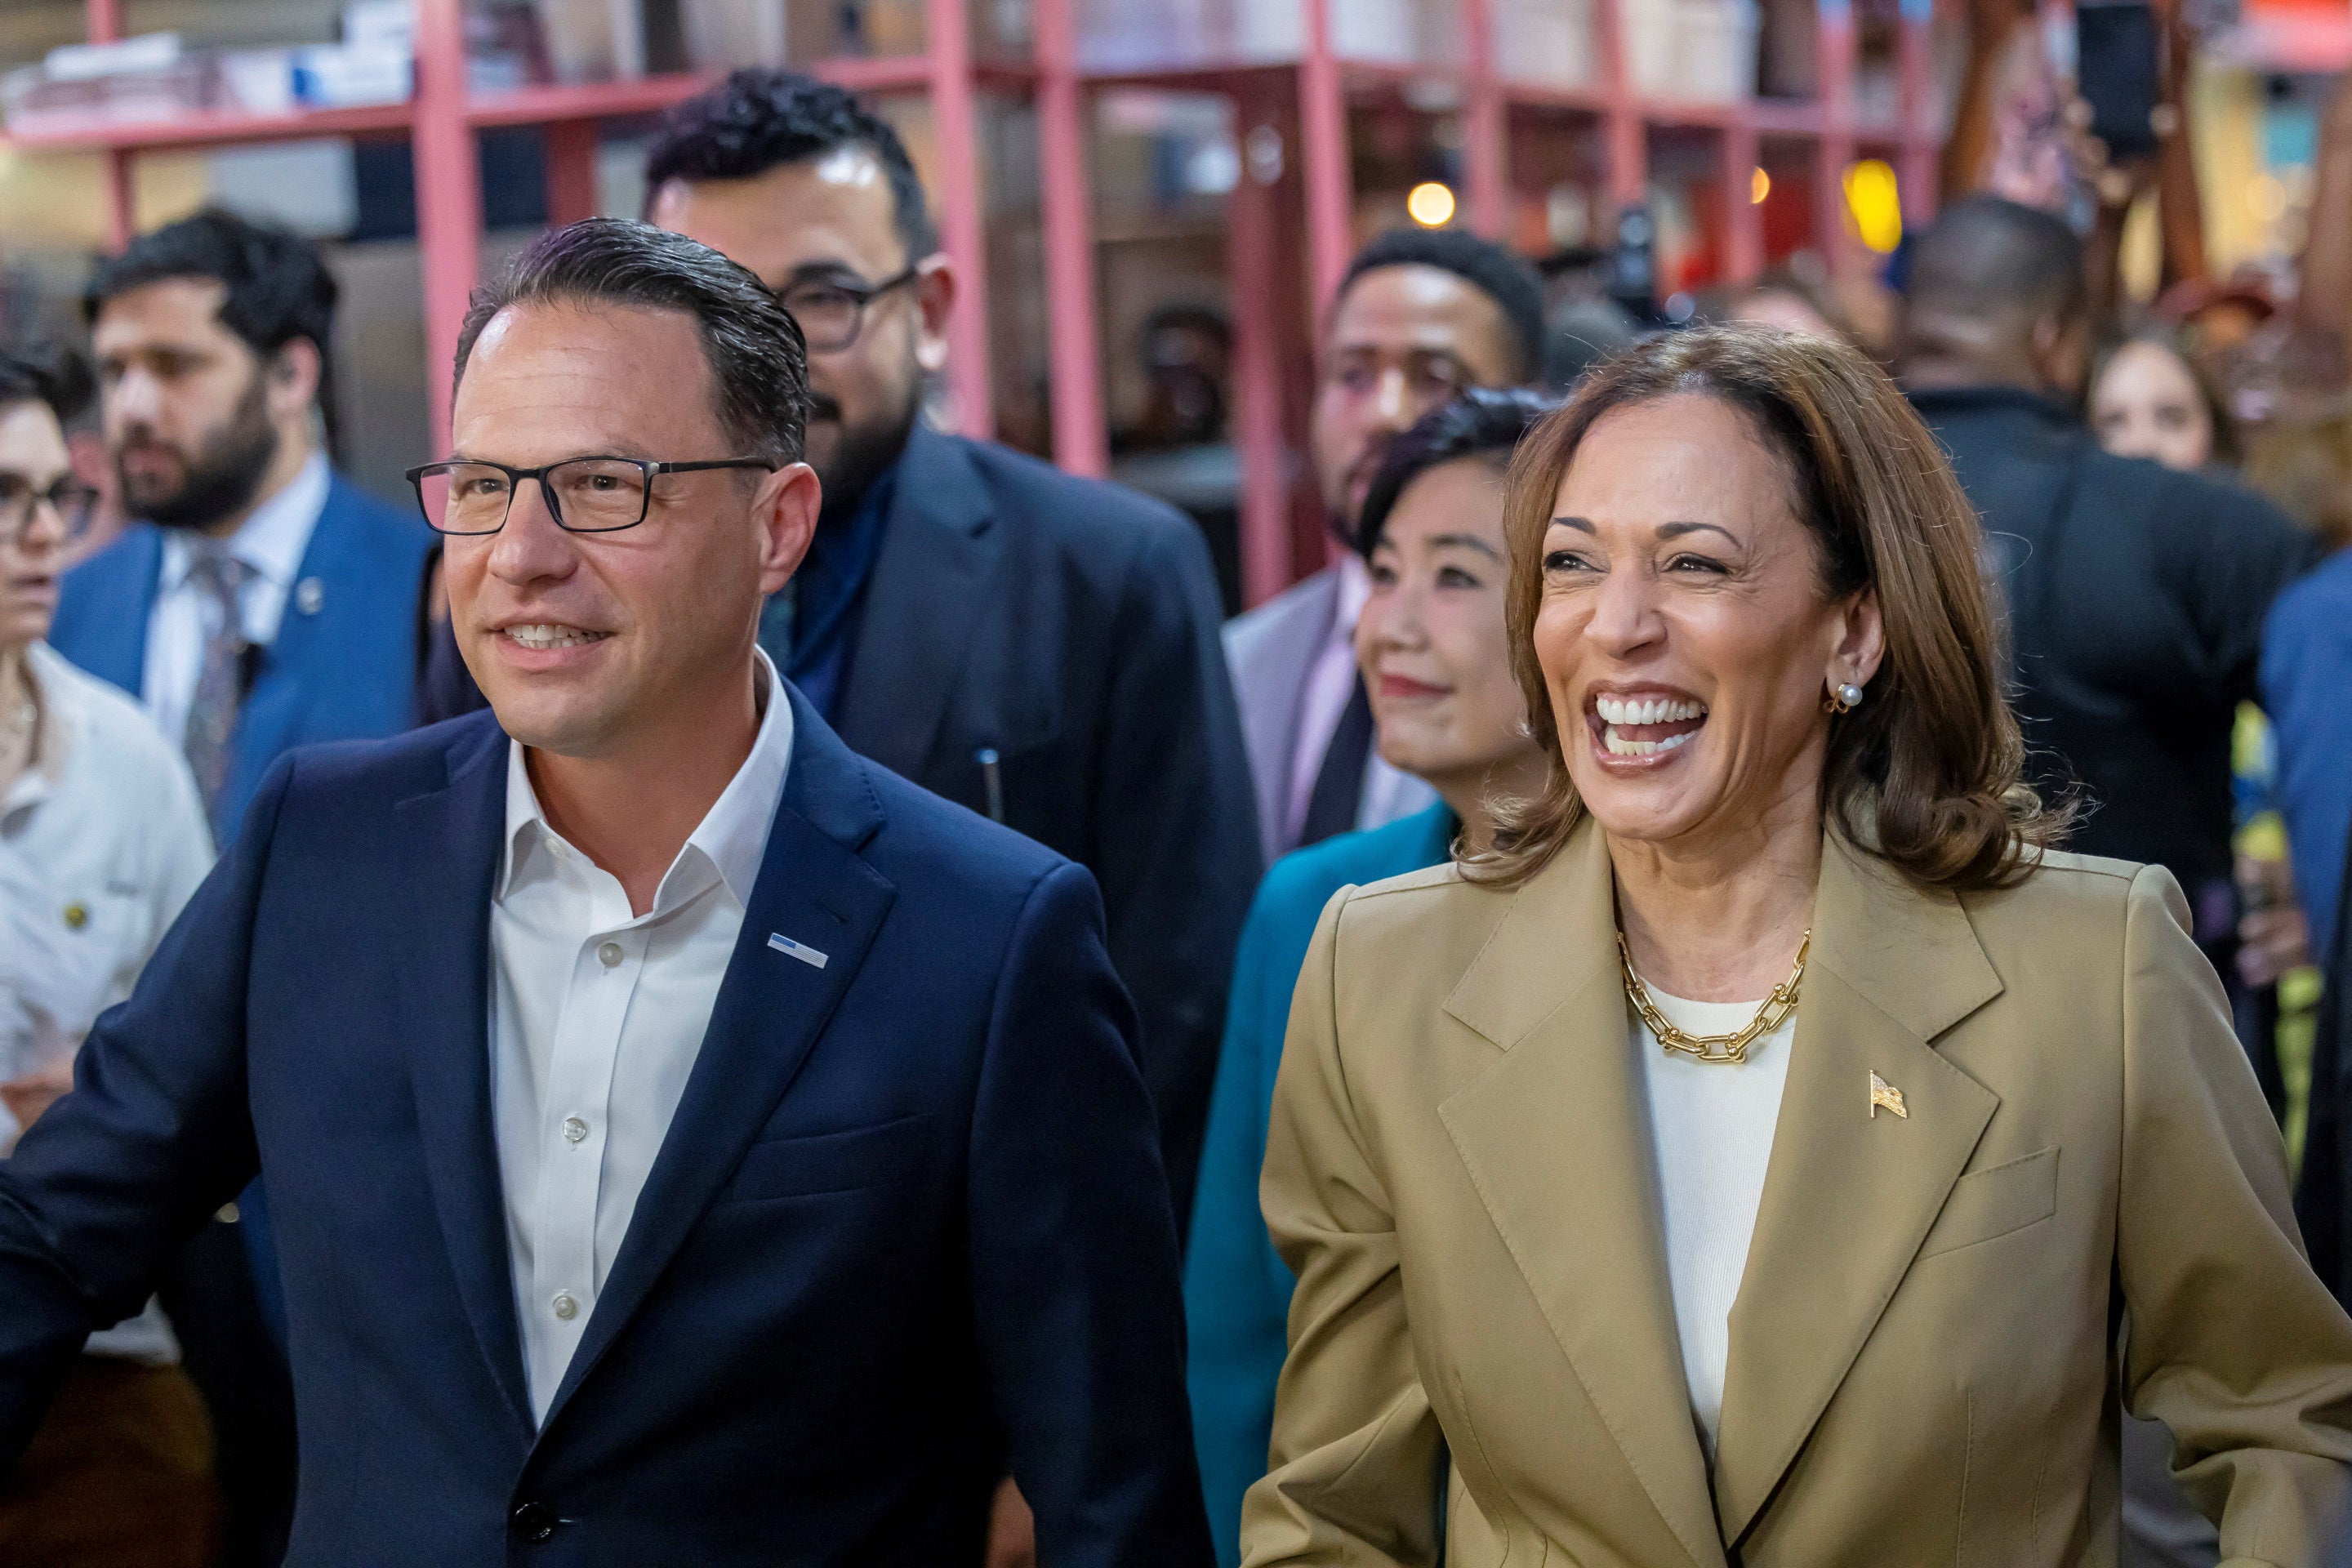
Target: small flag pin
(1884, 1093)
(817, 960)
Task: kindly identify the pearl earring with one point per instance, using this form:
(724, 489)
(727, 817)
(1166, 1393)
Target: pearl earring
(1844, 699)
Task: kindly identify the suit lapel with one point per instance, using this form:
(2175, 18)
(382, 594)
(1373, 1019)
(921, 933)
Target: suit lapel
(939, 556)
(1554, 1138)
(452, 864)
(301, 663)
(102, 625)
(1849, 1197)
(813, 888)
(1270, 651)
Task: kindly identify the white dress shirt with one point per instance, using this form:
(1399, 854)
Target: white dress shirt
(102, 842)
(270, 544)
(1711, 1124)
(1387, 793)
(597, 1018)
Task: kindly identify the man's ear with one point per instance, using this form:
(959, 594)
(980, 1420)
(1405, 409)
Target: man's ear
(293, 374)
(784, 509)
(2062, 354)
(935, 297)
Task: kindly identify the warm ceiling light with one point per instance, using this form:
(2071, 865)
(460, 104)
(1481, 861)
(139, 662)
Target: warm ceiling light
(1759, 185)
(1431, 204)
(1875, 204)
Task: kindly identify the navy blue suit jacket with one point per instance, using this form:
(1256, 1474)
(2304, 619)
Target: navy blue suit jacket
(343, 666)
(1069, 626)
(909, 1227)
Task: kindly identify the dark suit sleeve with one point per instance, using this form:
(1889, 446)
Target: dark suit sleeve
(154, 1137)
(2229, 552)
(1075, 1295)
(1177, 853)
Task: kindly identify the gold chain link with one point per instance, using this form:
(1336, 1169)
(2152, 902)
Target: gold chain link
(1731, 1047)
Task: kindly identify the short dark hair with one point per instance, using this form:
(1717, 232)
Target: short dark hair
(1492, 269)
(1205, 320)
(758, 366)
(276, 287)
(1985, 259)
(46, 372)
(761, 117)
(1484, 422)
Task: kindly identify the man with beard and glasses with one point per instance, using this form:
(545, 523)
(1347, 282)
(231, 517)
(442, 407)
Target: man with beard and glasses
(1421, 316)
(1040, 647)
(263, 602)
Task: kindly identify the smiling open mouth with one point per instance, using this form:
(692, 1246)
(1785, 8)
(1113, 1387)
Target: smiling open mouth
(547, 635)
(1642, 727)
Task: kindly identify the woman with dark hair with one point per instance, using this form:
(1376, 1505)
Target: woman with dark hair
(102, 840)
(2150, 399)
(1446, 708)
(1753, 1154)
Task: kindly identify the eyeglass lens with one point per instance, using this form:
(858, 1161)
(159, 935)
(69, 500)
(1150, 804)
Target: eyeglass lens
(76, 504)
(829, 316)
(588, 495)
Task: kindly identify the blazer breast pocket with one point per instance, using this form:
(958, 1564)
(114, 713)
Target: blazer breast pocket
(819, 1162)
(1995, 1201)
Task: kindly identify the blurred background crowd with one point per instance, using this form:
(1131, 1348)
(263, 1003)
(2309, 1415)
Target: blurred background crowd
(1302, 271)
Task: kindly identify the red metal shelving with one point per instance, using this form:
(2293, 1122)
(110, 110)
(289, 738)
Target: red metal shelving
(1310, 96)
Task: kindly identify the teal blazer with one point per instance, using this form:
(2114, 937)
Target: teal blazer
(1236, 1289)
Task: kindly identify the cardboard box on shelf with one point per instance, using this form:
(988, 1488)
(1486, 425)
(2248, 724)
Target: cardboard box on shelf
(593, 40)
(720, 35)
(1546, 43)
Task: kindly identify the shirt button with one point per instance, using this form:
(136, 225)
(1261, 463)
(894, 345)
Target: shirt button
(574, 1129)
(565, 1307)
(610, 956)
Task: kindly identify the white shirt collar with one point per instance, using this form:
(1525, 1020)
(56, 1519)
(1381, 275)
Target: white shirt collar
(62, 722)
(1355, 591)
(732, 839)
(271, 541)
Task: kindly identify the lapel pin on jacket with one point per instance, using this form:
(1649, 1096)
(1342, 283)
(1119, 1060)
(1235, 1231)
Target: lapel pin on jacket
(1884, 1093)
(309, 595)
(799, 950)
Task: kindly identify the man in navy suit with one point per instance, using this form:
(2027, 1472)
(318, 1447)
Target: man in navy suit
(264, 602)
(692, 1143)
(1038, 647)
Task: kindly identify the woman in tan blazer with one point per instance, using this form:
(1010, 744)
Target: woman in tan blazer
(1773, 1153)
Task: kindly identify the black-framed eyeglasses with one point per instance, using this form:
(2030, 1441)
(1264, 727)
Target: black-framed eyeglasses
(831, 310)
(76, 504)
(584, 495)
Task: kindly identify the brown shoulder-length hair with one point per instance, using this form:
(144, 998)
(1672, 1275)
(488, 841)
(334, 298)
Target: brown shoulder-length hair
(1928, 772)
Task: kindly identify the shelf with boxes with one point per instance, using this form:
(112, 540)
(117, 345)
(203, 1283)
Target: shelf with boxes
(1707, 85)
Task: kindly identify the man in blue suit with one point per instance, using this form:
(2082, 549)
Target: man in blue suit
(1038, 647)
(691, 1144)
(264, 602)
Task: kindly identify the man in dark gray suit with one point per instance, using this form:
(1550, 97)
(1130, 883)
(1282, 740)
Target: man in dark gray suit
(1419, 317)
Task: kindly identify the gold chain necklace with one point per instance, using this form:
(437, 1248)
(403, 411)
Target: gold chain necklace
(1731, 1047)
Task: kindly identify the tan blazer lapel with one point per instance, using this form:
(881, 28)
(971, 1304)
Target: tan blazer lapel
(1848, 1196)
(1554, 1138)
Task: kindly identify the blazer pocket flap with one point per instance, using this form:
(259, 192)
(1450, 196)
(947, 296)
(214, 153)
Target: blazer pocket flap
(1995, 1201)
(831, 1162)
